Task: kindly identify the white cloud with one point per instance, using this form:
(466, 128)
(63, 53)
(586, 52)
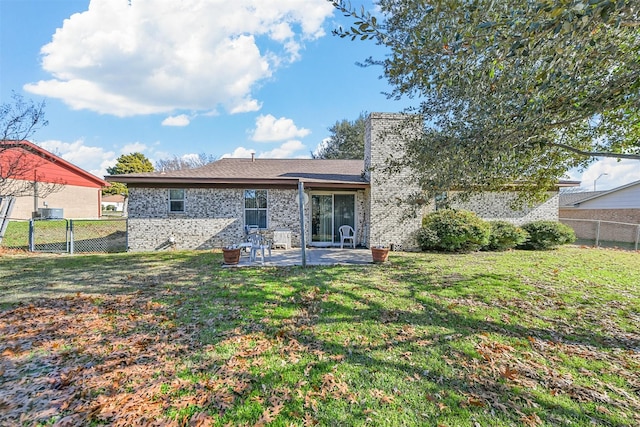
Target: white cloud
(134, 147)
(161, 56)
(617, 174)
(181, 120)
(94, 160)
(285, 151)
(246, 106)
(239, 152)
(288, 150)
(269, 129)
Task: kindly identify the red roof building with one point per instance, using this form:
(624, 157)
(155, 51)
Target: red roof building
(46, 181)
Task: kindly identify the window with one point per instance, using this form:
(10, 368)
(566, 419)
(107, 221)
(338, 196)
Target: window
(255, 208)
(176, 200)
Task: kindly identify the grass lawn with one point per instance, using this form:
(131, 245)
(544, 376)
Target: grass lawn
(52, 235)
(489, 339)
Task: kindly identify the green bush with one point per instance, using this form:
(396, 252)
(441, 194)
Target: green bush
(547, 235)
(453, 231)
(504, 235)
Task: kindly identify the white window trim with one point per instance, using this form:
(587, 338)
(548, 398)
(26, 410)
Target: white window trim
(244, 208)
(184, 201)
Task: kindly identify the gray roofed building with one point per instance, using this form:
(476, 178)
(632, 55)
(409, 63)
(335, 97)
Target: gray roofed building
(214, 205)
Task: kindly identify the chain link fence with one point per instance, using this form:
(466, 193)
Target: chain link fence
(66, 235)
(605, 233)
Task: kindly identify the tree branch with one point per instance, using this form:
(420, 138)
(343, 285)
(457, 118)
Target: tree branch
(594, 153)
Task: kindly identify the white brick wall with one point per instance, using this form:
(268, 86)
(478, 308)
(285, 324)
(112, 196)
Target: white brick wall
(213, 217)
(495, 205)
(391, 222)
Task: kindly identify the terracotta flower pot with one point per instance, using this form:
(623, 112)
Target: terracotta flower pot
(231, 256)
(380, 254)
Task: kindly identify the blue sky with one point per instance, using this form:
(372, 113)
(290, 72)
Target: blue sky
(173, 78)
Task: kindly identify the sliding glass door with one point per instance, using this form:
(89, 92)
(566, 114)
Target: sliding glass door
(328, 213)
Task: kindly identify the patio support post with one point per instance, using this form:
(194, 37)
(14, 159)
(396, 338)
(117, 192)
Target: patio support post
(302, 233)
(32, 237)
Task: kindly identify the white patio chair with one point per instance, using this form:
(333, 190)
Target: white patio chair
(258, 243)
(347, 233)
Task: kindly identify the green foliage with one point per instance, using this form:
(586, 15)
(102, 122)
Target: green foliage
(131, 163)
(504, 235)
(127, 163)
(547, 235)
(453, 231)
(346, 140)
(510, 91)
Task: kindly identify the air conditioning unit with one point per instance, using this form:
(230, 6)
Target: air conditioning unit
(51, 213)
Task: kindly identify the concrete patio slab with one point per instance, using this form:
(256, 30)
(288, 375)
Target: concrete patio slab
(315, 256)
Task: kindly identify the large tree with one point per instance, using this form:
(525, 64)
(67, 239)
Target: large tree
(510, 90)
(127, 163)
(346, 140)
(19, 120)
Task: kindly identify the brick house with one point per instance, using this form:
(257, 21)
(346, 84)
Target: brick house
(604, 216)
(210, 206)
(24, 165)
(620, 204)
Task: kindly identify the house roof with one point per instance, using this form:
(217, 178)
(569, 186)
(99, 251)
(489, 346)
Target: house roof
(313, 172)
(598, 194)
(246, 171)
(569, 199)
(38, 163)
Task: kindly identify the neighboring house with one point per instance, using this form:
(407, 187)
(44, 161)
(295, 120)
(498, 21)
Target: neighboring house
(76, 194)
(604, 216)
(113, 202)
(620, 204)
(211, 206)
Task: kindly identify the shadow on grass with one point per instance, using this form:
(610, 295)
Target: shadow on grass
(402, 326)
(313, 299)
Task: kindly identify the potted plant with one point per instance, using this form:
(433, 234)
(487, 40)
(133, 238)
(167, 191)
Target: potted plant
(231, 255)
(379, 254)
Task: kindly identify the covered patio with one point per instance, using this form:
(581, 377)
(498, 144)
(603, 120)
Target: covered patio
(314, 256)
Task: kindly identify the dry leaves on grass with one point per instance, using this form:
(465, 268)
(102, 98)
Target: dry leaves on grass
(117, 359)
(536, 369)
(108, 359)
(88, 357)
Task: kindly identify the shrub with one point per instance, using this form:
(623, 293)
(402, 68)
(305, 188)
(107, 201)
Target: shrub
(453, 231)
(504, 235)
(547, 235)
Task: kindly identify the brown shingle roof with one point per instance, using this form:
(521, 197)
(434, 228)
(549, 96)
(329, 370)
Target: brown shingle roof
(258, 171)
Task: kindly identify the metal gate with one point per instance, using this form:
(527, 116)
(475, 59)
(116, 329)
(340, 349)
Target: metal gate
(50, 235)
